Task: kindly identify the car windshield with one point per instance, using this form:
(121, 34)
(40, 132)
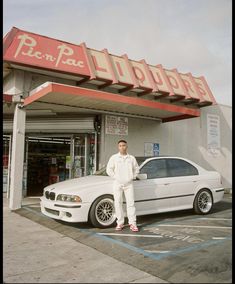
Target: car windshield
(102, 171)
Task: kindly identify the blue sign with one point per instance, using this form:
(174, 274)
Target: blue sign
(156, 149)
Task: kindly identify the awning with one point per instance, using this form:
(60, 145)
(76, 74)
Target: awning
(65, 98)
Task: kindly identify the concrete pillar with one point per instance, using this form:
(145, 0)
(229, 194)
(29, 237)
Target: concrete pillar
(17, 158)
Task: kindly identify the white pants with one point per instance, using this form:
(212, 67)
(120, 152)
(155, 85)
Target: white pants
(128, 190)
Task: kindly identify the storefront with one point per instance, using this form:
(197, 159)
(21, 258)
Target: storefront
(66, 105)
(52, 157)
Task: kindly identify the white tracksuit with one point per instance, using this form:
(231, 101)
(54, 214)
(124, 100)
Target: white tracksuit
(123, 168)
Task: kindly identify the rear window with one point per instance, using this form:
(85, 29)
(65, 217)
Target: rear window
(177, 167)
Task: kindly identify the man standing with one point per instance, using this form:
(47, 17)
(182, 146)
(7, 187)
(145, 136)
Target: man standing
(123, 168)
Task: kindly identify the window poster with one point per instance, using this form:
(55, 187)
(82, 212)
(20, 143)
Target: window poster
(68, 162)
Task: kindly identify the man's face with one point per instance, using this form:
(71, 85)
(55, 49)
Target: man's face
(122, 147)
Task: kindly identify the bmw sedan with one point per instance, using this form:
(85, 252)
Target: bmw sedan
(164, 184)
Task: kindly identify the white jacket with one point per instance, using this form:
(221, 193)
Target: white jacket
(122, 168)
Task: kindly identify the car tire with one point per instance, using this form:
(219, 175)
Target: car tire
(203, 202)
(102, 213)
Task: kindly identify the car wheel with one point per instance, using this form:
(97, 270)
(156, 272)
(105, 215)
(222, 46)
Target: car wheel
(102, 213)
(203, 202)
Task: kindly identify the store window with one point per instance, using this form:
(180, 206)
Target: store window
(46, 162)
(55, 159)
(84, 155)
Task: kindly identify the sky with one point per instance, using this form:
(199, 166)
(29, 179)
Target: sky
(190, 35)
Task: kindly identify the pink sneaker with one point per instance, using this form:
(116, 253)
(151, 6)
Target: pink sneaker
(134, 228)
(119, 227)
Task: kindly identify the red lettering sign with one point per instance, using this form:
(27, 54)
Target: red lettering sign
(40, 51)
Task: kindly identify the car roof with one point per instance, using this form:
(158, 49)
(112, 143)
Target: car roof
(141, 159)
(160, 156)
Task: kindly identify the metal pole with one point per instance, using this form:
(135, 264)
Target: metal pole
(17, 159)
(95, 156)
(9, 168)
(72, 142)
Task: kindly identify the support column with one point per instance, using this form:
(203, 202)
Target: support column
(17, 158)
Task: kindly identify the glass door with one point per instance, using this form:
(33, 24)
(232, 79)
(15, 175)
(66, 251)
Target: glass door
(79, 156)
(83, 155)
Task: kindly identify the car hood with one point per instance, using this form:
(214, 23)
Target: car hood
(79, 184)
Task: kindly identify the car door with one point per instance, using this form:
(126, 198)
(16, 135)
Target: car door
(183, 179)
(152, 195)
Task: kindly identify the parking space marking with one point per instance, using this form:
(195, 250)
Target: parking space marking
(211, 218)
(154, 254)
(159, 256)
(190, 226)
(218, 238)
(189, 218)
(158, 251)
(131, 235)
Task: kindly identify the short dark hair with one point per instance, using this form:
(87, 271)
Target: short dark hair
(123, 141)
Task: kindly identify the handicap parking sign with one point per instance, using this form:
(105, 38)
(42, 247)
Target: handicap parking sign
(156, 149)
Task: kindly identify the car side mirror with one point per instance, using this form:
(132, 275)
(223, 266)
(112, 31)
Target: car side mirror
(141, 176)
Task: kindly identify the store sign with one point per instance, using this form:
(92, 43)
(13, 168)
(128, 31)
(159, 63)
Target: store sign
(40, 51)
(100, 66)
(116, 125)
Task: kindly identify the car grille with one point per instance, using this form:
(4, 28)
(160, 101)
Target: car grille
(50, 195)
(54, 212)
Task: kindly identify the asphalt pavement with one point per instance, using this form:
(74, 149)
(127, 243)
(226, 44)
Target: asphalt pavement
(33, 253)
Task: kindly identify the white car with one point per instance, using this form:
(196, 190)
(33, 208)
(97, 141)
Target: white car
(164, 184)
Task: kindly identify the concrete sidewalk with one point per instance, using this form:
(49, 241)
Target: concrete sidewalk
(33, 253)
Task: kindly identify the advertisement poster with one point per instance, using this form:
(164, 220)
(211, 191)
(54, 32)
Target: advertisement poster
(68, 162)
(213, 134)
(116, 125)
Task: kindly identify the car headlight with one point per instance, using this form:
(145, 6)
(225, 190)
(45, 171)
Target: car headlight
(69, 198)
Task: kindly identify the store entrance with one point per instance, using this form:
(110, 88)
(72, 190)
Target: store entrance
(46, 163)
(54, 159)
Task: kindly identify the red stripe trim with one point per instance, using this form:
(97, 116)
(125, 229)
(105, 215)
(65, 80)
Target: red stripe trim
(39, 94)
(177, 117)
(100, 95)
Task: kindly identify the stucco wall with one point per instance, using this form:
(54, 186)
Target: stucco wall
(185, 138)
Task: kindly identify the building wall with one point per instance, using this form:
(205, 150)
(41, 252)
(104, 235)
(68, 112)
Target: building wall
(186, 138)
